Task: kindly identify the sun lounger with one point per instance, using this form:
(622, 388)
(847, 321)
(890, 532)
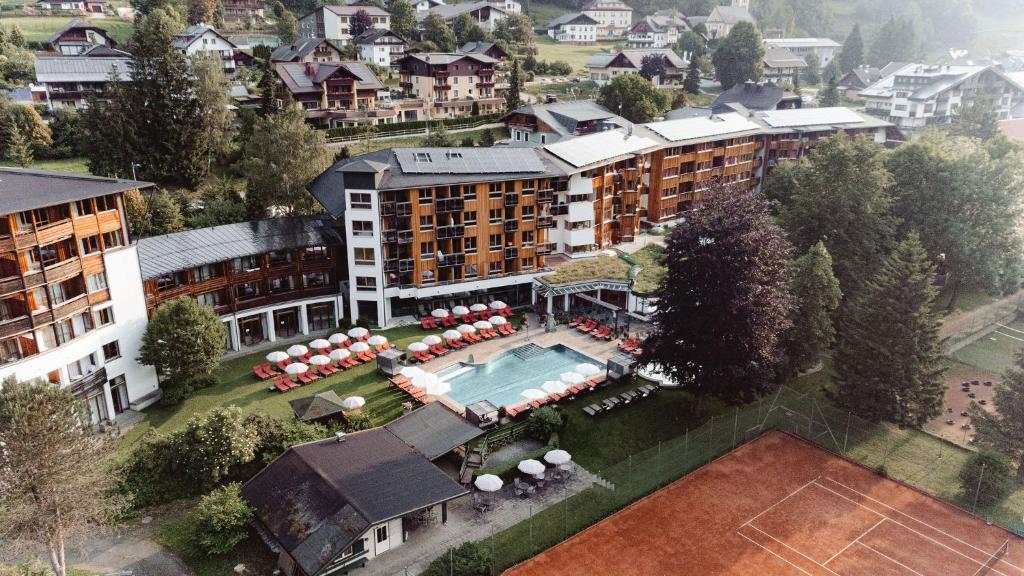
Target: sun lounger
(281, 384)
(625, 397)
(416, 393)
(449, 321)
(535, 404)
(422, 356)
(468, 318)
(473, 337)
(609, 403)
(485, 314)
(577, 321)
(591, 410)
(350, 362)
(428, 323)
(281, 365)
(438, 350)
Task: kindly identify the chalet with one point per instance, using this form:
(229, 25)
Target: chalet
(660, 30)
(755, 96)
(573, 28)
(205, 39)
(69, 81)
(308, 50)
(860, 78)
(335, 22)
(781, 65)
(487, 14)
(549, 123)
(77, 36)
(380, 47)
(486, 48)
(604, 67)
(450, 83)
(613, 17)
(330, 93)
(424, 5)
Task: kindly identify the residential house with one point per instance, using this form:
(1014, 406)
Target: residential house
(723, 18)
(380, 47)
(614, 18)
(755, 96)
(486, 48)
(605, 66)
(549, 123)
(781, 65)
(239, 11)
(486, 13)
(425, 5)
(913, 96)
(266, 279)
(450, 83)
(332, 95)
(77, 36)
(308, 50)
(824, 48)
(660, 30)
(71, 306)
(205, 39)
(68, 81)
(573, 28)
(858, 79)
(91, 8)
(334, 22)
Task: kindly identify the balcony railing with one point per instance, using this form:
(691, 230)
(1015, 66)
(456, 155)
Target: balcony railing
(545, 249)
(511, 252)
(545, 222)
(67, 268)
(449, 260)
(399, 265)
(71, 306)
(545, 196)
(446, 205)
(511, 225)
(11, 284)
(454, 231)
(403, 209)
(15, 326)
(559, 209)
(511, 199)
(405, 237)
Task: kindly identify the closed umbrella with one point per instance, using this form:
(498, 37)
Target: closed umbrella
(337, 339)
(478, 307)
(554, 387)
(339, 354)
(533, 394)
(466, 329)
(418, 347)
(277, 356)
(498, 305)
(359, 347)
(557, 457)
(439, 313)
(320, 360)
(571, 378)
(587, 369)
(356, 402)
(296, 350)
(488, 483)
(296, 368)
(431, 339)
(377, 340)
(410, 371)
(483, 325)
(531, 467)
(358, 332)
(319, 344)
(451, 335)
(497, 320)
(460, 310)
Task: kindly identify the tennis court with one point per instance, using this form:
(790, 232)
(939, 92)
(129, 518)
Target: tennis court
(781, 506)
(996, 350)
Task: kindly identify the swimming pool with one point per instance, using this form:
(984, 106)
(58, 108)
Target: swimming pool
(502, 379)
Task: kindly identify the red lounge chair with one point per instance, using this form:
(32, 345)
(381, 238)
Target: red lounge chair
(485, 314)
(602, 333)
(449, 321)
(427, 323)
(327, 369)
(493, 333)
(473, 337)
(416, 393)
(468, 318)
(484, 334)
(438, 350)
(399, 379)
(587, 326)
(281, 385)
(579, 320)
(422, 356)
(513, 411)
(260, 373)
(508, 330)
(282, 364)
(364, 357)
(365, 337)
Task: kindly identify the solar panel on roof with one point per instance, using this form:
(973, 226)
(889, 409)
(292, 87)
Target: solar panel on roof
(811, 117)
(468, 160)
(597, 147)
(702, 127)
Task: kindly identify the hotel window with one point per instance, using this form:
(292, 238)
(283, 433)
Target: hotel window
(427, 250)
(426, 222)
(315, 279)
(24, 221)
(527, 238)
(528, 187)
(425, 197)
(30, 261)
(314, 253)
(83, 207)
(495, 191)
(91, 244)
(111, 351)
(670, 172)
(96, 282)
(494, 244)
(362, 228)
(207, 272)
(363, 256)
(82, 367)
(281, 284)
(469, 192)
(361, 201)
(112, 239)
(469, 218)
(471, 271)
(104, 316)
(366, 283)
(527, 213)
(670, 191)
(246, 264)
(64, 330)
(321, 316)
(382, 533)
(247, 290)
(469, 245)
(211, 299)
(495, 216)
(494, 268)
(279, 257)
(427, 277)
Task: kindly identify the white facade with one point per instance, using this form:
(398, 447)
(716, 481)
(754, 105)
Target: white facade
(78, 360)
(613, 17)
(215, 45)
(825, 49)
(579, 32)
(235, 323)
(336, 25)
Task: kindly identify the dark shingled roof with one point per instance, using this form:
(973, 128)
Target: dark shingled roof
(183, 250)
(751, 95)
(319, 406)
(298, 49)
(434, 430)
(317, 498)
(23, 189)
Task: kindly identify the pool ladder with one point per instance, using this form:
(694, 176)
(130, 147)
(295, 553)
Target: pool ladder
(527, 351)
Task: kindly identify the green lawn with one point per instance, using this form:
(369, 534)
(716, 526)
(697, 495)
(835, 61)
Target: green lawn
(576, 56)
(542, 13)
(177, 534)
(363, 147)
(651, 271)
(970, 297)
(40, 28)
(994, 351)
(77, 165)
(585, 90)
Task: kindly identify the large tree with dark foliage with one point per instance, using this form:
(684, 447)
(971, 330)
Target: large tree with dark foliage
(818, 295)
(634, 98)
(1004, 427)
(652, 66)
(515, 84)
(361, 22)
(895, 41)
(852, 53)
(724, 300)
(739, 56)
(888, 360)
(436, 30)
(403, 18)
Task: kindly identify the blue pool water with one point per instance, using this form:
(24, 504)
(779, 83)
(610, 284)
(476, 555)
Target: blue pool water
(502, 379)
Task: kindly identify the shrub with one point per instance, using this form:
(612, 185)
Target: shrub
(543, 422)
(357, 422)
(993, 471)
(221, 519)
(469, 559)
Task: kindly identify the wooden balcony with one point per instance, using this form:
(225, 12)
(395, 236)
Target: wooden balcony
(11, 284)
(33, 279)
(89, 382)
(55, 232)
(15, 326)
(6, 244)
(66, 269)
(73, 306)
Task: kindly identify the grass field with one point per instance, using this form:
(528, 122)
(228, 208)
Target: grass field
(994, 351)
(78, 165)
(542, 13)
(576, 56)
(40, 28)
(362, 147)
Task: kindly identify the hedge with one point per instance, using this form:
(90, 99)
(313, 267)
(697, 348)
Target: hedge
(385, 129)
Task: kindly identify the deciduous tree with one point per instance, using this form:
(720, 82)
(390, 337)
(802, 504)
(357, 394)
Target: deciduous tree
(652, 66)
(516, 29)
(634, 98)
(403, 18)
(812, 74)
(739, 56)
(691, 45)
(360, 22)
(436, 30)
(830, 95)
(201, 11)
(184, 341)
(288, 28)
(214, 105)
(728, 265)
(439, 138)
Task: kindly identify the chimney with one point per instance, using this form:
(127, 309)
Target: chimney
(311, 68)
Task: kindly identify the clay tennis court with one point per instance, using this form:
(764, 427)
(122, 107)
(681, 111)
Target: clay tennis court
(781, 506)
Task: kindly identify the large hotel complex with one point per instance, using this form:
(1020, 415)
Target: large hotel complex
(406, 230)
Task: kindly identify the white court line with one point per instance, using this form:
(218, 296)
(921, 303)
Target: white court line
(901, 565)
(855, 540)
(898, 523)
(790, 495)
(1005, 335)
(758, 544)
(1010, 329)
(826, 568)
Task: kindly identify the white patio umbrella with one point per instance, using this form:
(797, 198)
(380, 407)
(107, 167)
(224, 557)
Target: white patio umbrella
(339, 354)
(319, 344)
(498, 305)
(488, 483)
(497, 320)
(377, 340)
(439, 313)
(533, 394)
(296, 350)
(478, 307)
(460, 310)
(451, 335)
(410, 371)
(557, 457)
(418, 347)
(356, 402)
(466, 329)
(296, 368)
(431, 339)
(358, 332)
(483, 325)
(531, 467)
(554, 387)
(337, 338)
(320, 360)
(277, 356)
(572, 378)
(359, 347)
(587, 369)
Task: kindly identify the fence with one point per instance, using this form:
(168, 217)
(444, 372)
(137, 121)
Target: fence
(414, 128)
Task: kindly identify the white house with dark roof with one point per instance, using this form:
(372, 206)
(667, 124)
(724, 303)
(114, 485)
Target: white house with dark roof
(335, 22)
(307, 50)
(604, 67)
(723, 18)
(69, 81)
(781, 65)
(486, 13)
(205, 39)
(613, 17)
(573, 28)
(77, 36)
(380, 47)
(659, 30)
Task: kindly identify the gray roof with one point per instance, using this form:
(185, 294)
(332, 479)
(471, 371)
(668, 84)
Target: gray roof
(160, 255)
(687, 112)
(350, 10)
(317, 498)
(571, 18)
(782, 58)
(434, 430)
(195, 32)
(25, 189)
(315, 407)
(466, 160)
(372, 35)
(751, 95)
(80, 24)
(450, 57)
(81, 68)
(294, 75)
(564, 116)
(449, 11)
(635, 56)
(298, 49)
(477, 47)
(732, 14)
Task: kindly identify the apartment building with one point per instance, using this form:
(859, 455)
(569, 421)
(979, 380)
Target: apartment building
(450, 83)
(659, 30)
(782, 66)
(549, 123)
(78, 36)
(721, 20)
(381, 47)
(573, 28)
(825, 49)
(614, 18)
(242, 10)
(605, 66)
(69, 81)
(334, 22)
(205, 39)
(308, 50)
(486, 13)
(71, 306)
(267, 279)
(332, 93)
